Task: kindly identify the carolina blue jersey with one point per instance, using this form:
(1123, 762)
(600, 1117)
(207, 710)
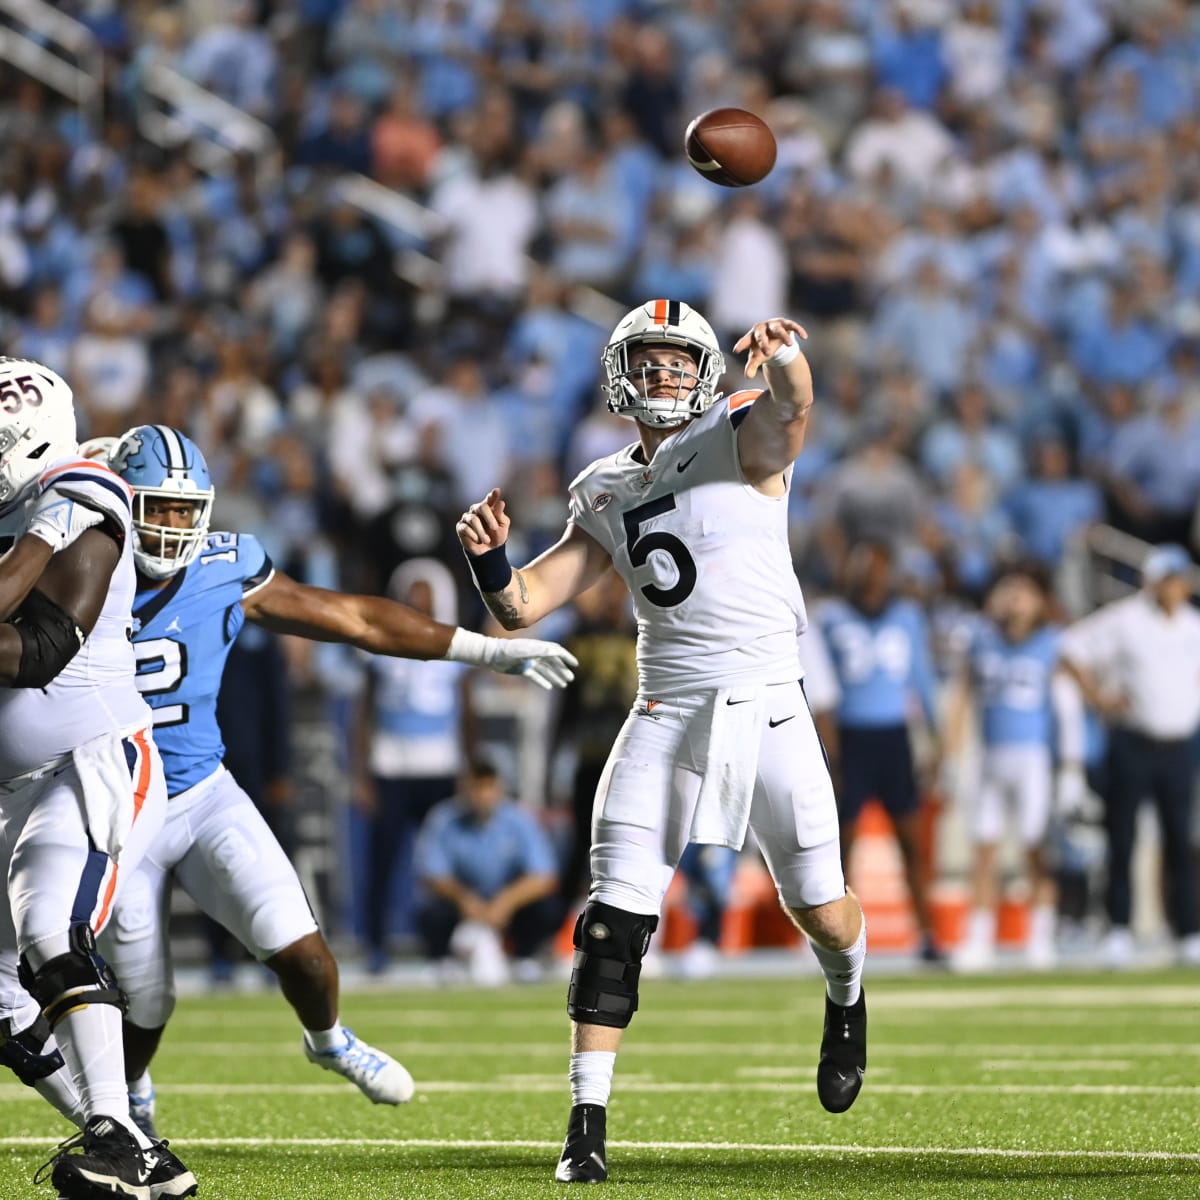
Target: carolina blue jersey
(182, 635)
(1012, 685)
(882, 662)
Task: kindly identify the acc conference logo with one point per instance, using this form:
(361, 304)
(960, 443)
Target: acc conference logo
(602, 501)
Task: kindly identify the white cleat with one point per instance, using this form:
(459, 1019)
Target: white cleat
(972, 958)
(377, 1075)
(1118, 949)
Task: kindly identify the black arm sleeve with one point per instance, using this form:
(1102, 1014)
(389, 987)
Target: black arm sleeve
(50, 638)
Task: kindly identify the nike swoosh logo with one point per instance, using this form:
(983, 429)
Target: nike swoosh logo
(683, 466)
(746, 701)
(150, 1162)
(774, 724)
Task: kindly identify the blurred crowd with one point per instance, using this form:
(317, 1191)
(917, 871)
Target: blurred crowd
(986, 213)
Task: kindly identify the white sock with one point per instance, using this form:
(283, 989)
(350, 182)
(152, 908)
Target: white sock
(981, 928)
(325, 1040)
(142, 1086)
(843, 969)
(59, 1089)
(1041, 925)
(90, 1041)
(591, 1075)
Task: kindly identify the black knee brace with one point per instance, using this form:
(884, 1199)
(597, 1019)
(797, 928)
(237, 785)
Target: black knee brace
(23, 1051)
(609, 947)
(72, 980)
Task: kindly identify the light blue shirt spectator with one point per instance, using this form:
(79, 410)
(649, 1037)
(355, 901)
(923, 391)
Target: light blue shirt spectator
(1120, 347)
(237, 61)
(1159, 452)
(971, 437)
(927, 328)
(909, 59)
(483, 854)
(1166, 88)
(1047, 510)
(593, 221)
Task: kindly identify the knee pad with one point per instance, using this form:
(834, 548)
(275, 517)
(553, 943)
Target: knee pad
(72, 980)
(22, 1052)
(609, 947)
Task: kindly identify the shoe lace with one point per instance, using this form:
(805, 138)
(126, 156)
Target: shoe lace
(358, 1056)
(40, 1175)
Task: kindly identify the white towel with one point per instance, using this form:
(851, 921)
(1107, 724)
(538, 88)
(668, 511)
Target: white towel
(731, 766)
(108, 791)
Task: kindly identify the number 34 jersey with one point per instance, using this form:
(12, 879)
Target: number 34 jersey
(704, 554)
(182, 636)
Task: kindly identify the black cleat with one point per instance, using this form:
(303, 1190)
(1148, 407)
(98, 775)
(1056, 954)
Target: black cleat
(169, 1178)
(843, 1054)
(583, 1158)
(102, 1161)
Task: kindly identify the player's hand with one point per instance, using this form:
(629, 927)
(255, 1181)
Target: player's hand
(547, 664)
(484, 526)
(1071, 793)
(763, 339)
(58, 519)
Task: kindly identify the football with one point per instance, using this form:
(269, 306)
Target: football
(730, 146)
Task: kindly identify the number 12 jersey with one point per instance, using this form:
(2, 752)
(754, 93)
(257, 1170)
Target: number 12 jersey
(182, 636)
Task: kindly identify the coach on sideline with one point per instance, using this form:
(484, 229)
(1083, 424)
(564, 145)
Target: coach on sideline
(1138, 663)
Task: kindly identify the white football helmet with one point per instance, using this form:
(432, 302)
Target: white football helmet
(661, 323)
(37, 423)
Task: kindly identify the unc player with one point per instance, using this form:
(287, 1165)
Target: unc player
(879, 643)
(81, 784)
(1024, 704)
(693, 516)
(195, 589)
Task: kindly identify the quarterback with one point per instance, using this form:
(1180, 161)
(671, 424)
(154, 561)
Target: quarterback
(195, 589)
(693, 516)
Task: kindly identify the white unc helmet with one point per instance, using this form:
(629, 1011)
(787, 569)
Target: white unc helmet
(661, 323)
(37, 423)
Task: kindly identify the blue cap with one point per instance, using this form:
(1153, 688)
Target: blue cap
(1166, 560)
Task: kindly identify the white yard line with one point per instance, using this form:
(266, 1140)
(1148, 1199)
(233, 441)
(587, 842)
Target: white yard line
(973, 999)
(748, 1147)
(13, 1093)
(403, 1048)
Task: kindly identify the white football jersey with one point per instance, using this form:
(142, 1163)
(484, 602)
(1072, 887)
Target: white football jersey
(94, 694)
(704, 554)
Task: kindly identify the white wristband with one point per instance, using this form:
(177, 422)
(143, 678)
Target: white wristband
(786, 353)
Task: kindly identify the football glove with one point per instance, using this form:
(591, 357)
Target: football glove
(545, 663)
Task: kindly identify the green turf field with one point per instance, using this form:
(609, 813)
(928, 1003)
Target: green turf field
(1069, 1086)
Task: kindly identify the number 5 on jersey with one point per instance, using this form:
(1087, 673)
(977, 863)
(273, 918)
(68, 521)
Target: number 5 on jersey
(641, 547)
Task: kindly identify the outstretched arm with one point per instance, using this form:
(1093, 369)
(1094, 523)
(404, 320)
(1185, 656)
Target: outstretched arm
(518, 598)
(382, 626)
(773, 433)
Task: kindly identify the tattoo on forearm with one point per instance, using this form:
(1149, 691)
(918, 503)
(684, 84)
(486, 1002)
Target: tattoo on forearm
(501, 606)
